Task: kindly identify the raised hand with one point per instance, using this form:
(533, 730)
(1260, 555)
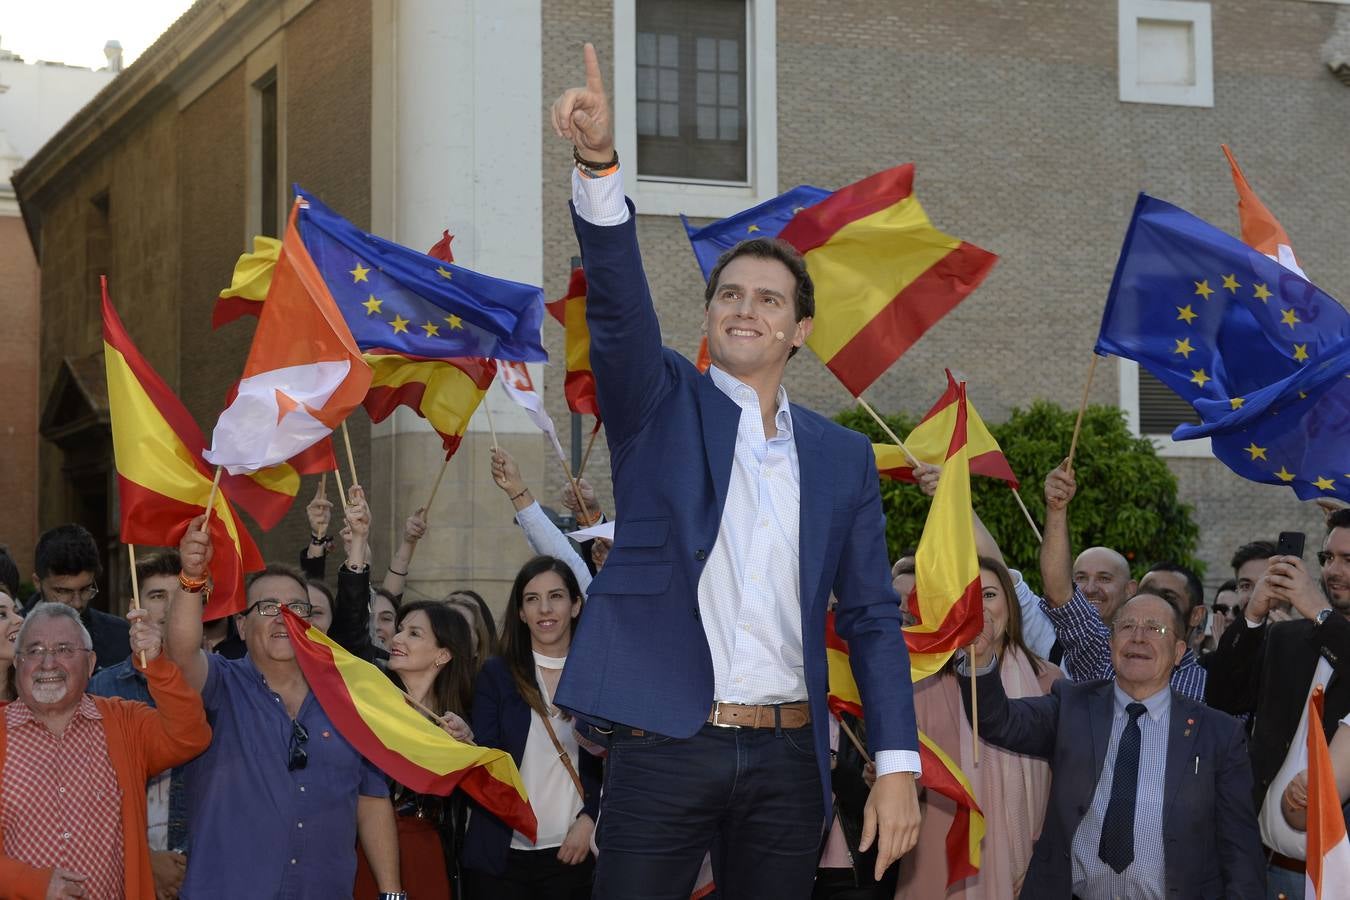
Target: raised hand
(1289, 579)
(320, 510)
(505, 473)
(582, 115)
(146, 636)
(591, 513)
(416, 527)
(195, 549)
(1060, 486)
(358, 512)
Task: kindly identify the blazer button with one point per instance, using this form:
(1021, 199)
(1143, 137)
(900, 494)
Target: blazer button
(699, 554)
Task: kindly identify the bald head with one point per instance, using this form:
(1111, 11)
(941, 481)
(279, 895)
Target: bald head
(1103, 575)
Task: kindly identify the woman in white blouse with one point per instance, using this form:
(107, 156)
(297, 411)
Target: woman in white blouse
(513, 710)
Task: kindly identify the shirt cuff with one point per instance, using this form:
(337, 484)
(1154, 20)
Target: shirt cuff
(891, 761)
(1251, 624)
(600, 201)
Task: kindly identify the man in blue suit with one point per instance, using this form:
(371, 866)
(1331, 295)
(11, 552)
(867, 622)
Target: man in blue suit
(1152, 791)
(702, 649)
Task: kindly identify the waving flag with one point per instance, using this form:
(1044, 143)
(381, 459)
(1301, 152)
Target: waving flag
(1260, 353)
(372, 714)
(946, 599)
(268, 494)
(883, 274)
(162, 481)
(520, 388)
(304, 373)
(940, 773)
(763, 221)
(248, 286)
(1260, 229)
(931, 439)
(1328, 873)
(570, 311)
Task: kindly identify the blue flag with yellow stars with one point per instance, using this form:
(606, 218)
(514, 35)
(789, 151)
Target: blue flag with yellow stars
(763, 221)
(395, 299)
(1262, 354)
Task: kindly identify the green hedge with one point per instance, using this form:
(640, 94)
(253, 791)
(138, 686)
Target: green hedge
(1127, 497)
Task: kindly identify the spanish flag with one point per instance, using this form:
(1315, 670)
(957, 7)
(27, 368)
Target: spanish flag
(940, 773)
(249, 283)
(1260, 229)
(1328, 855)
(947, 595)
(162, 481)
(375, 718)
(570, 311)
(931, 438)
(269, 493)
(883, 274)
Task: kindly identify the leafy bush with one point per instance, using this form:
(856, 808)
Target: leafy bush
(1127, 497)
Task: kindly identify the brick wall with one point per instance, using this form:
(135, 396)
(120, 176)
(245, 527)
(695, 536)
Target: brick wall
(18, 373)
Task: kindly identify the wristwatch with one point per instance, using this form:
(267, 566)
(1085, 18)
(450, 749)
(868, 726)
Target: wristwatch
(393, 895)
(1323, 615)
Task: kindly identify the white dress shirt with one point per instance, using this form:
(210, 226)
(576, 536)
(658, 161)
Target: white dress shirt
(553, 795)
(749, 594)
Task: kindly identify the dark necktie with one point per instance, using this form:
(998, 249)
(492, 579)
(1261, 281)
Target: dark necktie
(1117, 846)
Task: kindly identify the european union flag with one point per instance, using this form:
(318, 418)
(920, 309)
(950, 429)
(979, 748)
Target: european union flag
(1262, 354)
(399, 300)
(763, 221)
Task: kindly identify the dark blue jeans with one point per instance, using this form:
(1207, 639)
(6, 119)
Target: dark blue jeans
(750, 795)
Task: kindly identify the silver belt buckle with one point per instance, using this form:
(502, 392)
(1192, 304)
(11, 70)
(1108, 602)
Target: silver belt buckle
(717, 717)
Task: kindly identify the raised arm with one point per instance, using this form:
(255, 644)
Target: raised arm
(542, 535)
(175, 729)
(183, 630)
(1056, 565)
(414, 529)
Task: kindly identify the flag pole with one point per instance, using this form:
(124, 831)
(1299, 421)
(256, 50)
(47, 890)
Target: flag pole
(436, 486)
(342, 495)
(853, 737)
(913, 460)
(1026, 512)
(210, 501)
(492, 429)
(586, 457)
(974, 709)
(351, 462)
(576, 488)
(1082, 408)
(135, 589)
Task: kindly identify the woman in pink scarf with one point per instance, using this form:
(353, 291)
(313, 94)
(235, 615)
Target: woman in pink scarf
(1011, 789)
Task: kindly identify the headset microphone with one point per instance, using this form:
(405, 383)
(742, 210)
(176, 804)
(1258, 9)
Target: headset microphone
(780, 335)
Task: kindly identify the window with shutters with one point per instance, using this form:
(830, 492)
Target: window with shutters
(1153, 410)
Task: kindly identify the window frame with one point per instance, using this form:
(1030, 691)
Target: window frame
(266, 62)
(667, 195)
(1198, 16)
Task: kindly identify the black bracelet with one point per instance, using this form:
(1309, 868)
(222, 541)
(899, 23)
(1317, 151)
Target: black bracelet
(326, 540)
(594, 166)
(522, 493)
(398, 573)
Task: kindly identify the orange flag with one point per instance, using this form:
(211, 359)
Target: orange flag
(162, 481)
(1260, 229)
(1328, 855)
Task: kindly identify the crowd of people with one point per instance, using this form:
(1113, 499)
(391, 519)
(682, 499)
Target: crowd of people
(664, 694)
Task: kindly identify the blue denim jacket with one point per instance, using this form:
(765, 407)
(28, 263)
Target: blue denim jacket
(124, 681)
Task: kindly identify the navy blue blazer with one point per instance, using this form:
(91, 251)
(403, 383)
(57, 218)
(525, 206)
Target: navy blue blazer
(1211, 842)
(640, 656)
(501, 718)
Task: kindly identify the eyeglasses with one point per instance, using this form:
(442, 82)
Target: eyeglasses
(298, 758)
(62, 652)
(1149, 627)
(1224, 609)
(1326, 556)
(272, 608)
(67, 595)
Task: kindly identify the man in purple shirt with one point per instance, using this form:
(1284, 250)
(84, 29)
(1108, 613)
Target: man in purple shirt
(277, 803)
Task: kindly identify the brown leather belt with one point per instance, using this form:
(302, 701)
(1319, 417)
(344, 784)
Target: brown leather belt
(1288, 863)
(741, 715)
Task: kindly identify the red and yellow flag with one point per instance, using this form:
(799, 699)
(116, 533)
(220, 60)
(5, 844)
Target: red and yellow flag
(268, 494)
(249, 282)
(1328, 855)
(883, 274)
(162, 481)
(930, 439)
(570, 311)
(940, 773)
(375, 718)
(947, 595)
(445, 391)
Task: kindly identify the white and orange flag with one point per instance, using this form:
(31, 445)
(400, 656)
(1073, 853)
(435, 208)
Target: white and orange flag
(304, 373)
(1260, 229)
(1328, 854)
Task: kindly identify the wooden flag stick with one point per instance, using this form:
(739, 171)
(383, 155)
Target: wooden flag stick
(342, 495)
(853, 737)
(576, 489)
(492, 429)
(1026, 512)
(210, 501)
(1082, 408)
(586, 457)
(351, 462)
(437, 486)
(974, 708)
(913, 460)
(136, 588)
(323, 483)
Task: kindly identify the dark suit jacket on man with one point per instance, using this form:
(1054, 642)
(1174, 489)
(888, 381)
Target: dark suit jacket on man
(1211, 842)
(501, 718)
(640, 656)
(1266, 672)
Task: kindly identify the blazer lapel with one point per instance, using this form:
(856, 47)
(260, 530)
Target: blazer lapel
(721, 418)
(1181, 744)
(814, 509)
(1101, 713)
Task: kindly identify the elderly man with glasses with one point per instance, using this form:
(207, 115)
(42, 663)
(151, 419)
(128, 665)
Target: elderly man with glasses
(73, 767)
(278, 802)
(67, 562)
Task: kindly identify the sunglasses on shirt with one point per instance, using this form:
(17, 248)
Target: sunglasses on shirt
(298, 757)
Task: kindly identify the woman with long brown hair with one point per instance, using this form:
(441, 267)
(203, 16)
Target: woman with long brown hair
(10, 621)
(513, 710)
